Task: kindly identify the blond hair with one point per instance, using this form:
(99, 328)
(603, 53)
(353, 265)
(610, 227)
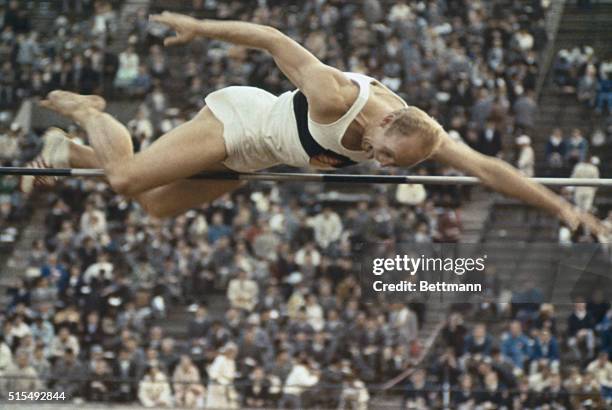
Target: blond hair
(416, 123)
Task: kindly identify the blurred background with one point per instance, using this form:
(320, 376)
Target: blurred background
(254, 301)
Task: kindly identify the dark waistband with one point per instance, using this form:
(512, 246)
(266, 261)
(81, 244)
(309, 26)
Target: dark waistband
(310, 145)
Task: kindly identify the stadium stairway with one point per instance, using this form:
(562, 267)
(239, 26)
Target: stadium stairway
(556, 109)
(578, 27)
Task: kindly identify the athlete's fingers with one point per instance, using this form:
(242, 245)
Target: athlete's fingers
(45, 103)
(163, 18)
(175, 40)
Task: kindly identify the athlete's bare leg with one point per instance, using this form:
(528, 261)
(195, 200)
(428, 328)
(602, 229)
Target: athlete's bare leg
(194, 146)
(203, 133)
(167, 200)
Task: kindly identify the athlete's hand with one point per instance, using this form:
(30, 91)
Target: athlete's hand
(186, 27)
(575, 218)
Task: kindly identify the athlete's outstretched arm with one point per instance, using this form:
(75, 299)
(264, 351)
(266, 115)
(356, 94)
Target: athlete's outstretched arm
(502, 177)
(315, 79)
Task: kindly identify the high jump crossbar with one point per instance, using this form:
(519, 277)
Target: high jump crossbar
(306, 177)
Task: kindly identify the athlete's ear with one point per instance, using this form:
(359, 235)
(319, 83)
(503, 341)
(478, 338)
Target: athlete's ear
(387, 120)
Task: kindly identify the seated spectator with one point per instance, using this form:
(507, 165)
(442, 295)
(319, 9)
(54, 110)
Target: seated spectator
(478, 342)
(188, 390)
(200, 324)
(327, 227)
(128, 68)
(68, 364)
(20, 376)
(580, 331)
(464, 396)
(98, 386)
(417, 393)
(490, 140)
(62, 342)
(243, 292)
(525, 109)
(125, 373)
(41, 364)
(154, 389)
(494, 394)
(577, 148)
(302, 376)
(555, 149)
(516, 346)
(555, 394)
(601, 370)
(454, 333)
(546, 347)
(257, 392)
(221, 375)
(354, 393)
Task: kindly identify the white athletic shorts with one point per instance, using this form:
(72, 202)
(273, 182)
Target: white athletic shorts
(258, 128)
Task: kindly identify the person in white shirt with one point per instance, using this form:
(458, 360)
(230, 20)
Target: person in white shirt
(301, 377)
(584, 196)
(221, 373)
(601, 369)
(154, 389)
(526, 158)
(314, 313)
(128, 68)
(242, 292)
(327, 227)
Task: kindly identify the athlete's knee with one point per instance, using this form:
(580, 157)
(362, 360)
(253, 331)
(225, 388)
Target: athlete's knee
(124, 183)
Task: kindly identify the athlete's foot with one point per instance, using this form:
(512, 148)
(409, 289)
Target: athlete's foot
(54, 154)
(74, 106)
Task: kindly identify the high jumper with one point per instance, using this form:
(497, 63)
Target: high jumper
(332, 119)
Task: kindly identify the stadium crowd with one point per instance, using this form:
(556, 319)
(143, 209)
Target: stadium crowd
(84, 316)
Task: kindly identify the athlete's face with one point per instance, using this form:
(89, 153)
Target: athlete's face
(394, 149)
(380, 147)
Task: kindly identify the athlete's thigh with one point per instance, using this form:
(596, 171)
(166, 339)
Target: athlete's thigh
(182, 195)
(190, 148)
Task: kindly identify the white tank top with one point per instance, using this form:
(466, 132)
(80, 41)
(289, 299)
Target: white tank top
(329, 136)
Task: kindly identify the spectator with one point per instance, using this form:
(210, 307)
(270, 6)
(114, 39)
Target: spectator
(577, 148)
(526, 157)
(585, 196)
(154, 389)
(258, 392)
(300, 378)
(221, 373)
(68, 364)
(125, 372)
(21, 376)
(188, 390)
(516, 346)
(128, 69)
(489, 140)
(327, 227)
(601, 369)
(98, 384)
(525, 108)
(243, 292)
(555, 149)
(580, 330)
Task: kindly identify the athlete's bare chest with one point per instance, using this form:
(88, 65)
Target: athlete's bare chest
(381, 100)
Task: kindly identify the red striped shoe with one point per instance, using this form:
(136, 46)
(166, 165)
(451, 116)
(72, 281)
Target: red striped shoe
(54, 154)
